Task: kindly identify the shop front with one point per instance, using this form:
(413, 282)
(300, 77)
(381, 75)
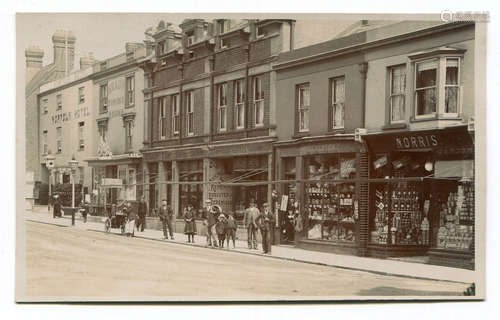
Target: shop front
(318, 177)
(422, 195)
(126, 169)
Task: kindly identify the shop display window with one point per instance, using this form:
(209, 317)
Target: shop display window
(400, 214)
(331, 207)
(454, 216)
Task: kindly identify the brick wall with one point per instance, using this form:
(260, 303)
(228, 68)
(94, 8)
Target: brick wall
(194, 68)
(229, 58)
(260, 49)
(172, 74)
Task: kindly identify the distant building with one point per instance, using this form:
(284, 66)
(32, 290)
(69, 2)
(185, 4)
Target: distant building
(37, 75)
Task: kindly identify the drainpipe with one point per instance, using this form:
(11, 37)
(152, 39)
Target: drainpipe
(181, 113)
(363, 68)
(247, 105)
(212, 92)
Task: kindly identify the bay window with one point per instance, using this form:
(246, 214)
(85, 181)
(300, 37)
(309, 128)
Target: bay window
(437, 86)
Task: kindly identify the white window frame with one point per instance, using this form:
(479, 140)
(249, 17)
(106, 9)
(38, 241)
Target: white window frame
(81, 95)
(239, 103)
(130, 87)
(190, 113)
(174, 104)
(45, 141)
(162, 106)
(59, 139)
(445, 114)
(222, 106)
(442, 62)
(258, 101)
(103, 96)
(45, 106)
(402, 94)
(335, 103)
(436, 88)
(81, 139)
(102, 129)
(259, 32)
(59, 102)
(129, 126)
(303, 108)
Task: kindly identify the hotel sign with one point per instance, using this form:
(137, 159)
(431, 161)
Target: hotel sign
(68, 116)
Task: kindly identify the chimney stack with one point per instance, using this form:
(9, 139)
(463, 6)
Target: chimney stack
(87, 61)
(34, 61)
(64, 50)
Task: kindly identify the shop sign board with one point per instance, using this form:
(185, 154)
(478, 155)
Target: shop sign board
(222, 196)
(108, 182)
(418, 141)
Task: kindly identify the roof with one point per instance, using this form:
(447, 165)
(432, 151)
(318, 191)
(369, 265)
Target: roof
(359, 38)
(46, 74)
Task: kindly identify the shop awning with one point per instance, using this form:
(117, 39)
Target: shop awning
(129, 158)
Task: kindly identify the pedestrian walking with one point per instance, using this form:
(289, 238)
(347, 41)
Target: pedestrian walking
(57, 206)
(166, 215)
(251, 216)
(142, 212)
(210, 221)
(83, 211)
(266, 223)
(231, 230)
(189, 223)
(220, 228)
(131, 216)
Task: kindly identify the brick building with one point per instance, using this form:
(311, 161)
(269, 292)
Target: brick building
(211, 111)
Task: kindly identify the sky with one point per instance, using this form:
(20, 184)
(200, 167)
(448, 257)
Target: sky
(105, 34)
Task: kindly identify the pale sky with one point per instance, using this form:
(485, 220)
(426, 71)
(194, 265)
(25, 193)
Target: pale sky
(105, 34)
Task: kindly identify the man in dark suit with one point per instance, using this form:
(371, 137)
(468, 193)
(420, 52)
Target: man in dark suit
(266, 223)
(142, 211)
(166, 216)
(210, 221)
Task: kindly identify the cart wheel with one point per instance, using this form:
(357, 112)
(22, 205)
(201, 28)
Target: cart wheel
(107, 225)
(122, 228)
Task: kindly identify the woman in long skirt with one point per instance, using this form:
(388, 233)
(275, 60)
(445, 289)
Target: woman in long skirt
(189, 223)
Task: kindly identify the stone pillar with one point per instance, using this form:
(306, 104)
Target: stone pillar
(300, 196)
(174, 201)
(162, 177)
(206, 172)
(270, 179)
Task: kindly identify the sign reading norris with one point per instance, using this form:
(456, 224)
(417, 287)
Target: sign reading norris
(418, 141)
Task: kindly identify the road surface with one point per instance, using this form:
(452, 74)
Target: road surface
(63, 261)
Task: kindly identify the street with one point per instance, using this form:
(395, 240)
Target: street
(66, 261)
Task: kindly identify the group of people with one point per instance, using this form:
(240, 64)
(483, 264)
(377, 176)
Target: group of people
(219, 224)
(256, 221)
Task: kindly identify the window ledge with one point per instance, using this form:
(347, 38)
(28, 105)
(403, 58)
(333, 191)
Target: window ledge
(336, 131)
(436, 118)
(394, 126)
(301, 135)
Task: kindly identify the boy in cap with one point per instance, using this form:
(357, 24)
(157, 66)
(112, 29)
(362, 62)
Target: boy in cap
(266, 222)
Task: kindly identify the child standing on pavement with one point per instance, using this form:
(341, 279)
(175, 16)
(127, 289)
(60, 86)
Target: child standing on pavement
(220, 228)
(231, 230)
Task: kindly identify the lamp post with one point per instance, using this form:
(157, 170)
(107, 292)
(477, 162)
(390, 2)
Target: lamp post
(49, 163)
(73, 165)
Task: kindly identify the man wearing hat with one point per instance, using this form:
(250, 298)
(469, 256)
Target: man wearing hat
(266, 222)
(251, 220)
(210, 221)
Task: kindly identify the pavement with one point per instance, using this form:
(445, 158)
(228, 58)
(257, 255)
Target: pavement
(374, 265)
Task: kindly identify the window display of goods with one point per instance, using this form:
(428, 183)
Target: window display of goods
(456, 219)
(330, 209)
(398, 215)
